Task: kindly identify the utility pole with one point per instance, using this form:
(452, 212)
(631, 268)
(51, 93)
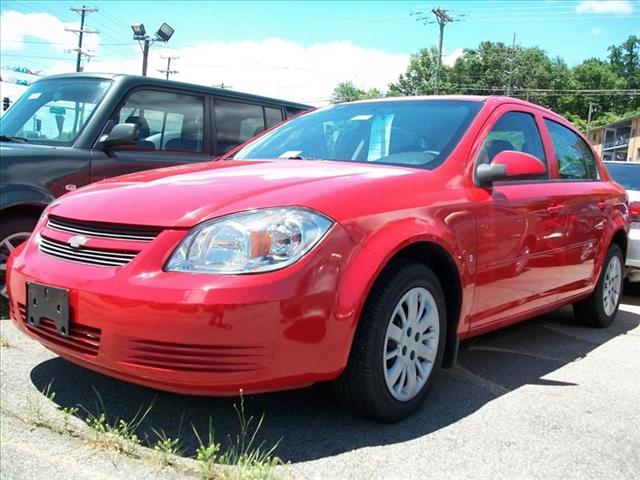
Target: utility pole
(591, 110)
(83, 13)
(442, 18)
(168, 70)
(511, 61)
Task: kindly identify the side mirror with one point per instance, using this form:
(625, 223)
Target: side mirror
(121, 134)
(509, 164)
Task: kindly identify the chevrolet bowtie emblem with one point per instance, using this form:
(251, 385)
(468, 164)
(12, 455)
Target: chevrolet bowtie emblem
(77, 241)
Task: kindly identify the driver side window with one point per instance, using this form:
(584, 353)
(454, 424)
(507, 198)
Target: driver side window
(514, 131)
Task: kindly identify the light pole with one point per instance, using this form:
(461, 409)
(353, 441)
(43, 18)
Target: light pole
(163, 34)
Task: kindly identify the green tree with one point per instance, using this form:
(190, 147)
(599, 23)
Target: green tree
(348, 92)
(420, 77)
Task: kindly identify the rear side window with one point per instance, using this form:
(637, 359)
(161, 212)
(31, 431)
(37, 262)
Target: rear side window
(273, 116)
(575, 160)
(514, 131)
(166, 121)
(236, 123)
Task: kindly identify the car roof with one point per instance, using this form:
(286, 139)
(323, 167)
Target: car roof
(134, 80)
(489, 100)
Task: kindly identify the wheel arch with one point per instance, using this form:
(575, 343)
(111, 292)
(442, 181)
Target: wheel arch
(436, 257)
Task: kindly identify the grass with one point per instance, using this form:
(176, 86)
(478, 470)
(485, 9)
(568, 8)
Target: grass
(242, 457)
(251, 460)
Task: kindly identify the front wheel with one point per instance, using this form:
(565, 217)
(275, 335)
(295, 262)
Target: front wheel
(398, 346)
(601, 307)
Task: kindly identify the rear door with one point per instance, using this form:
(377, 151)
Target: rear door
(174, 127)
(588, 205)
(521, 225)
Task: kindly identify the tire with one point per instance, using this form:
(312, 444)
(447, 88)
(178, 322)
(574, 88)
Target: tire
(370, 385)
(13, 231)
(600, 308)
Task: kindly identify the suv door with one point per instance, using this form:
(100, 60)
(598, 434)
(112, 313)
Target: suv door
(588, 205)
(174, 129)
(521, 225)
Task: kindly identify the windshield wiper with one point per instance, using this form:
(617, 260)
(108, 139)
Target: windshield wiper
(297, 157)
(8, 138)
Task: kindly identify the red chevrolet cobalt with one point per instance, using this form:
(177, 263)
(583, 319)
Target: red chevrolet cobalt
(357, 244)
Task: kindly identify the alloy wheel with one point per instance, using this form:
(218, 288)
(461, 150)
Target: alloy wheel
(411, 344)
(612, 285)
(8, 245)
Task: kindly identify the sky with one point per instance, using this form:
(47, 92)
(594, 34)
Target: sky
(299, 50)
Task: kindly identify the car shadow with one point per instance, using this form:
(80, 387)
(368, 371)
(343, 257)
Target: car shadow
(307, 424)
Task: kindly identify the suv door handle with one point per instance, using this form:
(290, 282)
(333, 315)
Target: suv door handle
(555, 209)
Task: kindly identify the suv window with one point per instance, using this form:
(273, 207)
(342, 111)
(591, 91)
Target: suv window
(575, 160)
(167, 121)
(273, 116)
(236, 123)
(54, 111)
(514, 131)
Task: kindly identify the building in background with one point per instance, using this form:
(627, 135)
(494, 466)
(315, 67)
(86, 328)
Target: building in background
(619, 141)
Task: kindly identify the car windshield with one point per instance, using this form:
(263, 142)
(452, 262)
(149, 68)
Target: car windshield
(54, 111)
(414, 133)
(626, 174)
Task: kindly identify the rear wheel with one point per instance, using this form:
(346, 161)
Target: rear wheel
(398, 346)
(601, 307)
(13, 232)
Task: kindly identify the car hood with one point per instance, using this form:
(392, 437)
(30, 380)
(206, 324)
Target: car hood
(186, 195)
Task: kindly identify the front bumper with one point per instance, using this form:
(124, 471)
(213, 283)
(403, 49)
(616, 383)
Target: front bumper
(195, 333)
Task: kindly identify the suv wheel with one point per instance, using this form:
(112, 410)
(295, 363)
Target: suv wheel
(398, 346)
(601, 307)
(13, 232)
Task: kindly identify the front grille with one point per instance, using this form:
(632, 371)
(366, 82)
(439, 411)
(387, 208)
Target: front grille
(104, 230)
(197, 358)
(82, 338)
(92, 256)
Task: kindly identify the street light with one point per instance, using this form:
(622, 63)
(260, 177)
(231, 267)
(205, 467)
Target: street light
(164, 33)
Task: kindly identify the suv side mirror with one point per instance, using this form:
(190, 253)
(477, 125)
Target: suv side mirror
(509, 164)
(121, 134)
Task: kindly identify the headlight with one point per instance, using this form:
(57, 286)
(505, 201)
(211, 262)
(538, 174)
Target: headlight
(250, 242)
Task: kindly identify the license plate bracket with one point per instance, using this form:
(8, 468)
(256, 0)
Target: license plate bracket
(48, 302)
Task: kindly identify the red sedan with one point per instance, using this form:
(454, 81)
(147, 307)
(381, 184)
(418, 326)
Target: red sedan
(358, 243)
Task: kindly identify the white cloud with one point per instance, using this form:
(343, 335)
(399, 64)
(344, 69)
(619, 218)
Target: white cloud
(596, 31)
(450, 59)
(616, 7)
(18, 28)
(272, 67)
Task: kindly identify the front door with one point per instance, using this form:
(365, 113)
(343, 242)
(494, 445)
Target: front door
(173, 130)
(521, 227)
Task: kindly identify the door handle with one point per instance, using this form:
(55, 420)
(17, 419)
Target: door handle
(555, 209)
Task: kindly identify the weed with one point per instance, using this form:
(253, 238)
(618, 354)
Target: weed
(120, 436)
(253, 461)
(166, 447)
(36, 407)
(4, 341)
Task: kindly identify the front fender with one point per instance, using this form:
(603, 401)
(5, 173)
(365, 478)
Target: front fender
(15, 194)
(379, 248)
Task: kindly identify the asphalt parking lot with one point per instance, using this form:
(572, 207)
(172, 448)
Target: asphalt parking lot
(547, 398)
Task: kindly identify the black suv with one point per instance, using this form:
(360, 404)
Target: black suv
(70, 130)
